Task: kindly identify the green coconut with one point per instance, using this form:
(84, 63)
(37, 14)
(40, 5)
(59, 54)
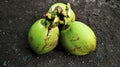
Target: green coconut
(62, 11)
(78, 39)
(42, 37)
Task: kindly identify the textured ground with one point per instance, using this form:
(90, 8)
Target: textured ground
(16, 17)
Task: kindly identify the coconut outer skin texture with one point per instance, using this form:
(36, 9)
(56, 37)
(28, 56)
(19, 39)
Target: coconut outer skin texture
(71, 15)
(78, 39)
(41, 41)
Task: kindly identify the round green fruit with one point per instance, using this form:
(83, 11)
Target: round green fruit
(78, 39)
(42, 37)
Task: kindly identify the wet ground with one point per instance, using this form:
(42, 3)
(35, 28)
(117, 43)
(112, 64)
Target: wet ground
(16, 17)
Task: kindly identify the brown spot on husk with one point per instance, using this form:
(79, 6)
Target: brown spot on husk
(94, 47)
(51, 45)
(75, 39)
(58, 7)
(76, 48)
(43, 48)
(54, 42)
(30, 38)
(48, 31)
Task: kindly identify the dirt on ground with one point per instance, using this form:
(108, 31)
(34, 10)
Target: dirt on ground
(17, 16)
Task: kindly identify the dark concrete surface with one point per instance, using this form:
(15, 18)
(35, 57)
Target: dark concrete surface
(16, 17)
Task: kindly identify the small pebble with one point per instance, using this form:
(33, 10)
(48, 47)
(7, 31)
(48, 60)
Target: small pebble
(5, 63)
(54, 59)
(83, 62)
(49, 61)
(6, 1)
(10, 21)
(111, 50)
(3, 33)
